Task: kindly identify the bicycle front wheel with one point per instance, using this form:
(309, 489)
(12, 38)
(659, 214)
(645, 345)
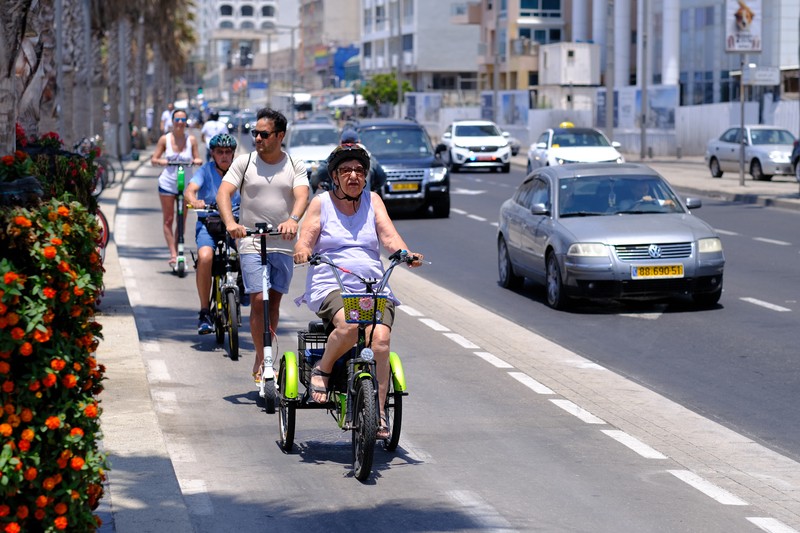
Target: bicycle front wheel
(232, 318)
(365, 428)
(216, 304)
(104, 234)
(287, 411)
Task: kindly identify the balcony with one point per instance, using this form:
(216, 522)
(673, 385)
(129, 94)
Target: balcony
(524, 47)
(468, 13)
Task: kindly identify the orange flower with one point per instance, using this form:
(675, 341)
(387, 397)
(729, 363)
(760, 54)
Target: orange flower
(38, 514)
(22, 511)
(57, 364)
(17, 334)
(41, 501)
(49, 252)
(76, 432)
(75, 495)
(63, 211)
(22, 222)
(3, 307)
(49, 380)
(28, 434)
(61, 523)
(8, 386)
(91, 361)
(8, 408)
(4, 510)
(4, 367)
(76, 463)
(24, 446)
(12, 527)
(48, 316)
(69, 381)
(13, 319)
(53, 422)
(78, 291)
(3, 322)
(13, 420)
(26, 415)
(42, 336)
(90, 410)
(63, 266)
(26, 349)
(6, 430)
(60, 508)
(48, 483)
(30, 474)
(64, 297)
(49, 292)
(56, 241)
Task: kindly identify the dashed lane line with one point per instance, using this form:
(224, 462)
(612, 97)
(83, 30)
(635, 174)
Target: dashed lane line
(770, 525)
(766, 305)
(531, 383)
(481, 511)
(579, 412)
(706, 487)
(772, 241)
(634, 444)
(434, 325)
(462, 341)
(493, 360)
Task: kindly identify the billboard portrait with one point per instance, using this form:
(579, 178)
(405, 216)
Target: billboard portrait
(742, 21)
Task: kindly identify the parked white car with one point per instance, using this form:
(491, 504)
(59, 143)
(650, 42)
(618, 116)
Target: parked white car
(475, 144)
(563, 145)
(767, 152)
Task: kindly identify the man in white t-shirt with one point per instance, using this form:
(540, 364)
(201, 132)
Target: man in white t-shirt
(274, 189)
(212, 127)
(166, 118)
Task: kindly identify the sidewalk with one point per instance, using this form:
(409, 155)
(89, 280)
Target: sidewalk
(142, 492)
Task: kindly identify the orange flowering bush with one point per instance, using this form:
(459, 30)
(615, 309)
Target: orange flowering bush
(51, 471)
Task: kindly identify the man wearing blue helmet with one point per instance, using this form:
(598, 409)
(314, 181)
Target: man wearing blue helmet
(202, 190)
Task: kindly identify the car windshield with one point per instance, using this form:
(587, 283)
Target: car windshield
(765, 136)
(579, 138)
(476, 130)
(314, 137)
(613, 195)
(397, 142)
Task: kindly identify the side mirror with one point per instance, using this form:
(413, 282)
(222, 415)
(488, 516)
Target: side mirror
(540, 209)
(694, 203)
(447, 135)
(616, 144)
(541, 146)
(439, 149)
(506, 134)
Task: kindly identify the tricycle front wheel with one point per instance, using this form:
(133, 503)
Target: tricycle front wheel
(365, 428)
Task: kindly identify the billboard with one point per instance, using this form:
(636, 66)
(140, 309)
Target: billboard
(742, 20)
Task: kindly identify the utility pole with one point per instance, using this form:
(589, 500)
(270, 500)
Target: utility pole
(741, 113)
(609, 79)
(399, 63)
(645, 21)
(496, 66)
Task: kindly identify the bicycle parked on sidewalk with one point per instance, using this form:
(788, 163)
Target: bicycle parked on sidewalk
(353, 398)
(92, 148)
(226, 282)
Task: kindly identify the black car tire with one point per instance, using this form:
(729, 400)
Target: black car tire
(454, 167)
(441, 207)
(508, 279)
(758, 172)
(705, 300)
(797, 170)
(556, 296)
(506, 168)
(713, 165)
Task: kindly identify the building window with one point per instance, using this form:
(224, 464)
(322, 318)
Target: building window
(268, 11)
(367, 21)
(247, 11)
(726, 86)
(380, 17)
(226, 10)
(367, 49)
(408, 43)
(225, 25)
(247, 25)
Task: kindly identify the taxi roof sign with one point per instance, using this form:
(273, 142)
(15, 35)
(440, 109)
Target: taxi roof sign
(566, 124)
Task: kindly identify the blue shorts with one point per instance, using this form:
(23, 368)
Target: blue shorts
(202, 237)
(164, 192)
(281, 268)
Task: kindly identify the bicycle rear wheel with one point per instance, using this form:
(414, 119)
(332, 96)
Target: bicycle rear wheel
(104, 235)
(286, 411)
(108, 171)
(365, 427)
(232, 319)
(393, 409)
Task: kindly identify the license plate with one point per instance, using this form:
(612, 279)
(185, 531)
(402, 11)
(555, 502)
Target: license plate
(485, 158)
(656, 272)
(404, 187)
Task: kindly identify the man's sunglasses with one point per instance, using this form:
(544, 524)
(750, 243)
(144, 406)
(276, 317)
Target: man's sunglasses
(179, 119)
(263, 134)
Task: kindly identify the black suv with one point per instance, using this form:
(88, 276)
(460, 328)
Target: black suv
(416, 178)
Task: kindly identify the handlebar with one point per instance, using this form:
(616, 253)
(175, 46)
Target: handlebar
(262, 228)
(181, 164)
(398, 258)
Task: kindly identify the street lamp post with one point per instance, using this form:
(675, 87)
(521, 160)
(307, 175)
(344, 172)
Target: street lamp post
(293, 69)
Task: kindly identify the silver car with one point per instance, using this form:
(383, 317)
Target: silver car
(767, 152)
(607, 231)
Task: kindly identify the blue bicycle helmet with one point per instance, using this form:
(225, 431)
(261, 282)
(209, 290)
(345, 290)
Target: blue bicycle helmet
(222, 140)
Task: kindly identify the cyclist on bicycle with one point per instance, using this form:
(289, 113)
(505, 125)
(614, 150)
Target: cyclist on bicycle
(202, 190)
(348, 226)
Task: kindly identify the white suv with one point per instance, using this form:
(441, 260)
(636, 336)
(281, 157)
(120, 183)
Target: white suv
(476, 144)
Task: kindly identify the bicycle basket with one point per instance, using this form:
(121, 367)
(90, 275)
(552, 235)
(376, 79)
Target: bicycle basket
(361, 308)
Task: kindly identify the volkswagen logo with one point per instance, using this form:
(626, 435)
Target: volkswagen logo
(654, 251)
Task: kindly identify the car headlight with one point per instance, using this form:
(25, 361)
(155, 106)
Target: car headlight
(437, 173)
(709, 245)
(587, 249)
(620, 160)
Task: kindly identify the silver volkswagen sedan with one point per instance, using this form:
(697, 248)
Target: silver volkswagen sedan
(606, 231)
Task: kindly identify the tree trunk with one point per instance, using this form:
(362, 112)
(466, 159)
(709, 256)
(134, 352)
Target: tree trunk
(113, 55)
(13, 19)
(35, 69)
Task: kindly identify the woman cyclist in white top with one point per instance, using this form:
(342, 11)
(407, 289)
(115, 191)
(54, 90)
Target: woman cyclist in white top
(176, 146)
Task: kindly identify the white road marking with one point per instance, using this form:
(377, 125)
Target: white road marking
(466, 192)
(579, 412)
(435, 326)
(772, 241)
(770, 525)
(766, 304)
(410, 311)
(180, 451)
(706, 487)
(484, 514)
(531, 383)
(476, 217)
(149, 346)
(415, 453)
(493, 360)
(634, 444)
(457, 211)
(582, 363)
(195, 494)
(725, 232)
(464, 343)
(166, 401)
(157, 371)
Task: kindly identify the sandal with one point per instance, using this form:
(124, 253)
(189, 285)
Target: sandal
(257, 377)
(383, 432)
(319, 390)
(173, 264)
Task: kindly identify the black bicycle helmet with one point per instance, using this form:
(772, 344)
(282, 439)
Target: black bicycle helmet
(347, 151)
(222, 140)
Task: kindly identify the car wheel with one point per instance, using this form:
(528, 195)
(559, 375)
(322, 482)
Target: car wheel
(454, 167)
(797, 170)
(556, 298)
(757, 172)
(441, 207)
(506, 168)
(530, 167)
(707, 299)
(716, 172)
(508, 280)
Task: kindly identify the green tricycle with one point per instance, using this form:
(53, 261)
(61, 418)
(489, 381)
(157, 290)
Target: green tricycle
(353, 398)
